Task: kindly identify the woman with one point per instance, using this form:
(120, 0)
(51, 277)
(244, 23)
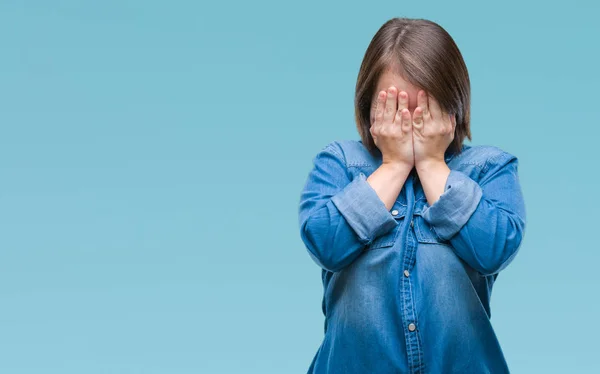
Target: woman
(409, 225)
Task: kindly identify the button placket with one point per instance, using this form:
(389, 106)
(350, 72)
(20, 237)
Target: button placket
(412, 337)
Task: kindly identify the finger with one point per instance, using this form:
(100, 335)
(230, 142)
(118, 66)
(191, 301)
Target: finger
(390, 105)
(434, 107)
(372, 111)
(417, 119)
(405, 120)
(402, 104)
(422, 103)
(381, 97)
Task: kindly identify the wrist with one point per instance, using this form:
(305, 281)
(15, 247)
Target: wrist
(428, 165)
(398, 167)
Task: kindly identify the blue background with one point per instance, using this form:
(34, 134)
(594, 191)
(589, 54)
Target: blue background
(152, 155)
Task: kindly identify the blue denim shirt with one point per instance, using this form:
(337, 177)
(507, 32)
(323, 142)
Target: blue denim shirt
(407, 290)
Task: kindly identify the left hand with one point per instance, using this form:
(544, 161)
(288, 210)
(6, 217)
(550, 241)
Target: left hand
(433, 130)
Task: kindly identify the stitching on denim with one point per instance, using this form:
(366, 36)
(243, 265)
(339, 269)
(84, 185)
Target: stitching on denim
(436, 234)
(354, 164)
(331, 148)
(417, 331)
(492, 160)
(424, 238)
(406, 332)
(421, 236)
(379, 242)
(414, 317)
(476, 163)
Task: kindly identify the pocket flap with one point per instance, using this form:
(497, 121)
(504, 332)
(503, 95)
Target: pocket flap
(424, 232)
(385, 240)
(398, 210)
(388, 239)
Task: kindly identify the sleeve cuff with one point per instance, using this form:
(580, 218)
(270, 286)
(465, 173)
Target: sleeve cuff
(455, 206)
(364, 211)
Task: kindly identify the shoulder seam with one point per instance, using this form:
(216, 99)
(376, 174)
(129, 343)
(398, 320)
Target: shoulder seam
(502, 157)
(356, 145)
(338, 152)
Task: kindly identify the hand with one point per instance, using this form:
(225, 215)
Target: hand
(433, 130)
(391, 128)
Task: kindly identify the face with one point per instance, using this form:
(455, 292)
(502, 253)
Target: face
(388, 79)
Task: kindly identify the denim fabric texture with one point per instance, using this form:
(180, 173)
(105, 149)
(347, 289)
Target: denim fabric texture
(407, 290)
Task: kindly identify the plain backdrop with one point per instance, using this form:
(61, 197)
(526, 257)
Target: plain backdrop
(152, 156)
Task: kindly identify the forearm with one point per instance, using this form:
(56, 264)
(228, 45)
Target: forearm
(433, 176)
(484, 220)
(336, 229)
(339, 215)
(387, 181)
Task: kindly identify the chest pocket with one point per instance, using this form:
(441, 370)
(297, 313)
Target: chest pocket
(398, 210)
(388, 239)
(423, 230)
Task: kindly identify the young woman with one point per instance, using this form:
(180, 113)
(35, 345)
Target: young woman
(409, 225)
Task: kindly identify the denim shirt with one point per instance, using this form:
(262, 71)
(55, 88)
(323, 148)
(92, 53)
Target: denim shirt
(407, 290)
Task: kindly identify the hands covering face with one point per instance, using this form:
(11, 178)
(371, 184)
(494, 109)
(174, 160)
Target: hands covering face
(433, 129)
(411, 139)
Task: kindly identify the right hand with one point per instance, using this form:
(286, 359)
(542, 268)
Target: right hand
(392, 128)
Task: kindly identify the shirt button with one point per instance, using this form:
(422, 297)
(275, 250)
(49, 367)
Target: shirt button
(406, 273)
(394, 212)
(412, 224)
(412, 327)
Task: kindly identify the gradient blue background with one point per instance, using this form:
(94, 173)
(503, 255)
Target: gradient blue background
(152, 155)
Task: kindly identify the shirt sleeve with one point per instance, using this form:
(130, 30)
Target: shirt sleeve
(363, 210)
(339, 216)
(484, 221)
(455, 206)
